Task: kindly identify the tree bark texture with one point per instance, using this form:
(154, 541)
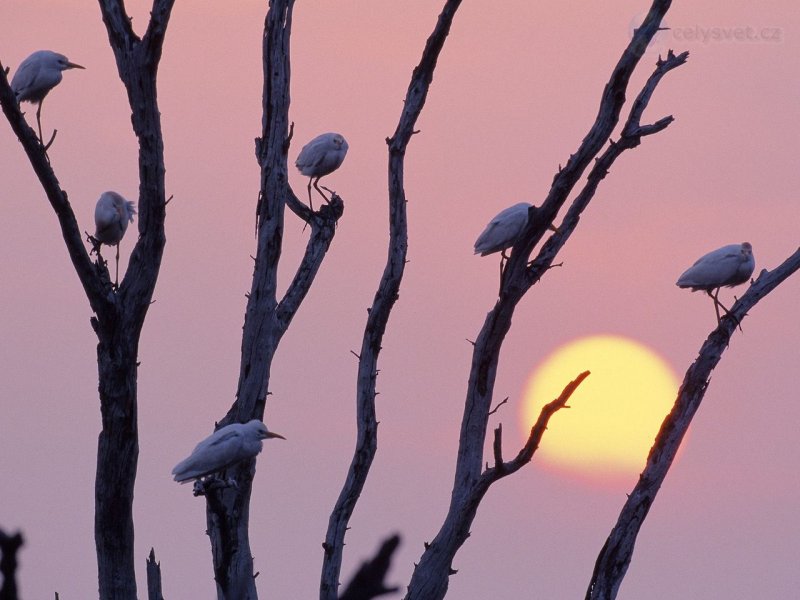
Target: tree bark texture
(266, 317)
(616, 554)
(119, 332)
(378, 315)
(430, 578)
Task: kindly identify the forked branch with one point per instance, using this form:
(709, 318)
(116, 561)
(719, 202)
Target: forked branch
(631, 135)
(430, 579)
(501, 469)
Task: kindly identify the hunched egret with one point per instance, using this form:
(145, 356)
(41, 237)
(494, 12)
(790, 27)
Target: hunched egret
(225, 447)
(504, 229)
(111, 217)
(37, 75)
(319, 157)
(728, 266)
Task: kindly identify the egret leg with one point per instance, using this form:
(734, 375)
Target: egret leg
(716, 302)
(39, 121)
(321, 193)
(310, 204)
(116, 273)
(727, 312)
(503, 261)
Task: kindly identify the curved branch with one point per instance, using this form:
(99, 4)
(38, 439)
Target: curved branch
(473, 498)
(89, 273)
(153, 38)
(615, 556)
(430, 578)
(501, 469)
(323, 228)
(383, 302)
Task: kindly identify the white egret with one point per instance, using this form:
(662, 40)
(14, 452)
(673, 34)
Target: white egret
(225, 447)
(503, 230)
(319, 157)
(728, 266)
(111, 217)
(37, 75)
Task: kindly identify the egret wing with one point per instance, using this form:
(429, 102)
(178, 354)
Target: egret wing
(217, 451)
(714, 269)
(503, 230)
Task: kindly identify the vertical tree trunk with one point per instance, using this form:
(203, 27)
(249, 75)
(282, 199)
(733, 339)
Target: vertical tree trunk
(266, 318)
(117, 458)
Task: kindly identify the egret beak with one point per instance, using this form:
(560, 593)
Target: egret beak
(71, 65)
(272, 434)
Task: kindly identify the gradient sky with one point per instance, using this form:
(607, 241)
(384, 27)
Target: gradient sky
(516, 89)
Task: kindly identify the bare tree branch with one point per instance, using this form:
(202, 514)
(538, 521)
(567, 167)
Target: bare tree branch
(632, 132)
(385, 298)
(9, 546)
(88, 272)
(118, 24)
(430, 578)
(525, 455)
(615, 556)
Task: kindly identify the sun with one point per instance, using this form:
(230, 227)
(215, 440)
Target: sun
(614, 414)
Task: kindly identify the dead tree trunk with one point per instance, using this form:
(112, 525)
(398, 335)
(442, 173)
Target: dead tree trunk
(119, 313)
(267, 317)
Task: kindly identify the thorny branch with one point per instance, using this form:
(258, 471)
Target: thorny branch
(430, 578)
(385, 298)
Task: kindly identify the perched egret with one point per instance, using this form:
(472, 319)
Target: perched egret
(225, 447)
(37, 75)
(319, 157)
(111, 217)
(725, 267)
(503, 230)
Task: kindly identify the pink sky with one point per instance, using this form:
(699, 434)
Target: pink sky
(515, 92)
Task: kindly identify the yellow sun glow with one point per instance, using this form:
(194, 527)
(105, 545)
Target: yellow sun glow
(615, 413)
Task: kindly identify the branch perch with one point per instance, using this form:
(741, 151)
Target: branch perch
(615, 556)
(430, 579)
